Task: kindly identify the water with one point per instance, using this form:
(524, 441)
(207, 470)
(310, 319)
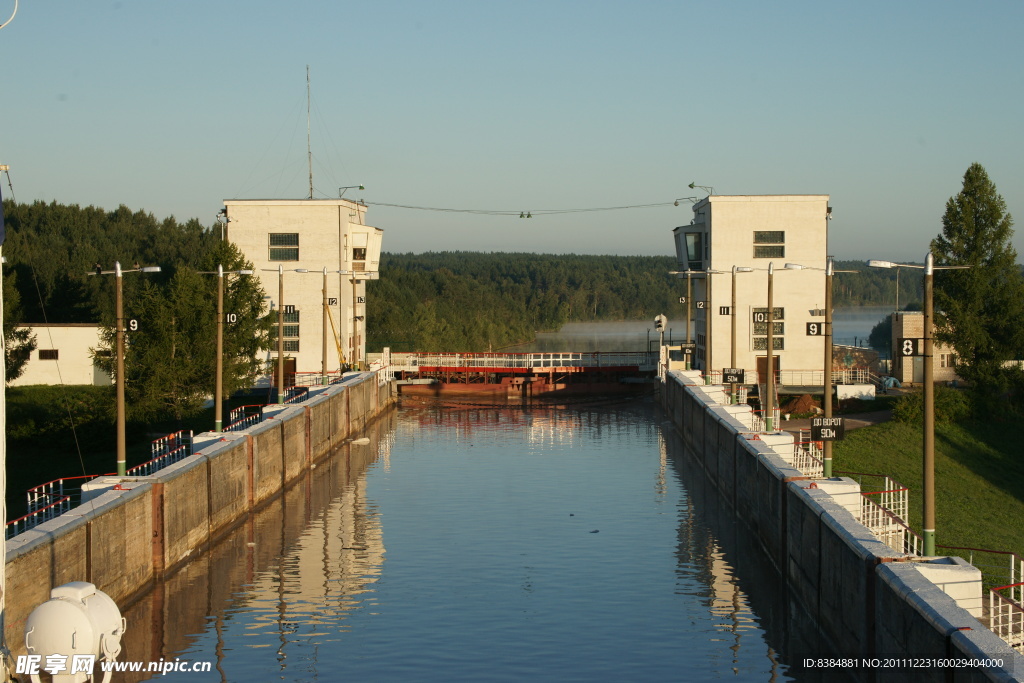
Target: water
(852, 324)
(484, 544)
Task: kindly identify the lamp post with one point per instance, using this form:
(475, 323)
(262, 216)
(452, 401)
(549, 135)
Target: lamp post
(689, 307)
(218, 395)
(357, 277)
(732, 311)
(928, 448)
(326, 318)
(280, 328)
(827, 383)
(708, 365)
(117, 272)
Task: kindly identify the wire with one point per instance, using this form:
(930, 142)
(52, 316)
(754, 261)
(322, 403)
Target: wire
(519, 213)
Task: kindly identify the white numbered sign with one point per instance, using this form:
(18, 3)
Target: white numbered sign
(815, 329)
(133, 325)
(231, 317)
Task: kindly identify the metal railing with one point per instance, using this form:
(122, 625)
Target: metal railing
(807, 455)
(884, 510)
(315, 379)
(817, 377)
(297, 395)
(1003, 608)
(49, 500)
(757, 420)
(166, 450)
(243, 417)
(414, 361)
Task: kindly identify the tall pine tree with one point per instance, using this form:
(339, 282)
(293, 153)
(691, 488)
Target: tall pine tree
(980, 311)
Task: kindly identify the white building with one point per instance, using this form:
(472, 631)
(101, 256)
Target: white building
(63, 355)
(749, 231)
(281, 236)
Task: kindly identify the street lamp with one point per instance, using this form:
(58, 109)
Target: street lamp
(117, 272)
(732, 311)
(218, 396)
(707, 326)
(357, 276)
(769, 403)
(928, 526)
(280, 327)
(326, 320)
(827, 384)
(689, 306)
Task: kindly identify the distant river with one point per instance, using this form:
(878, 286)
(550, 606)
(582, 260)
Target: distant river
(851, 325)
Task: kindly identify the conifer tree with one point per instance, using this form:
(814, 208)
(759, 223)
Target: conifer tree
(980, 310)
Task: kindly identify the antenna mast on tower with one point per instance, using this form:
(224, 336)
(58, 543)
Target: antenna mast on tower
(309, 150)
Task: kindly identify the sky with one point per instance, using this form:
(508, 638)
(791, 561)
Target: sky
(172, 107)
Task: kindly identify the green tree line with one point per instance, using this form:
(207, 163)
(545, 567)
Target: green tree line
(477, 301)
(51, 249)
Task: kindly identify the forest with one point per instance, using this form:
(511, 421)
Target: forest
(483, 301)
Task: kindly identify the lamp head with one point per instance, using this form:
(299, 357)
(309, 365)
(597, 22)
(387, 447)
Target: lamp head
(875, 263)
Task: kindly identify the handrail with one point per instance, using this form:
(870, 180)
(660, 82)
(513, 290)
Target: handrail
(297, 394)
(243, 417)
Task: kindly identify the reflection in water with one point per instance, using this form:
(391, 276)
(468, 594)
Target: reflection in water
(521, 544)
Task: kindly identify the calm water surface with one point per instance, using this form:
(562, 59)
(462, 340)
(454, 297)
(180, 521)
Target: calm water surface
(476, 543)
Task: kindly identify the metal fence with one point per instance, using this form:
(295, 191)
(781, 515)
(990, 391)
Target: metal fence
(808, 456)
(297, 395)
(49, 500)
(244, 417)
(416, 361)
(1003, 576)
(757, 419)
(885, 509)
(166, 450)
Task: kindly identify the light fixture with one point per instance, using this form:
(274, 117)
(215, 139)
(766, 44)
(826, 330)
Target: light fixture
(341, 190)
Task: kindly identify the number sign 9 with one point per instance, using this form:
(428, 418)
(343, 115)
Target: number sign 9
(133, 325)
(815, 329)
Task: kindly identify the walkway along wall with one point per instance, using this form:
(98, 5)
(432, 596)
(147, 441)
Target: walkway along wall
(869, 601)
(146, 527)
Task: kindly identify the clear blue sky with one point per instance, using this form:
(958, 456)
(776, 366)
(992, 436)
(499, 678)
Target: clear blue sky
(172, 107)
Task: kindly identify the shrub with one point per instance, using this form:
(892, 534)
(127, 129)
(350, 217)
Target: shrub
(951, 406)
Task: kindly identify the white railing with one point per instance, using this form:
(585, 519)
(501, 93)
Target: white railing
(757, 420)
(884, 510)
(417, 361)
(1006, 618)
(807, 455)
(817, 377)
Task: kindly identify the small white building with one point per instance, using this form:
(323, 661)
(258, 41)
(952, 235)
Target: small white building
(63, 355)
(753, 231)
(313, 235)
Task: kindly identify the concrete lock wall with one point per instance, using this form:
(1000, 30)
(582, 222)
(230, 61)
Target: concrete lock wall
(144, 528)
(867, 599)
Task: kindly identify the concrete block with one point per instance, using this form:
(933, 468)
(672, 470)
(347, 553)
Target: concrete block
(985, 645)
(913, 616)
(956, 578)
(843, 490)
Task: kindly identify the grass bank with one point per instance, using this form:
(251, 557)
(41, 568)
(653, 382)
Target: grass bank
(979, 477)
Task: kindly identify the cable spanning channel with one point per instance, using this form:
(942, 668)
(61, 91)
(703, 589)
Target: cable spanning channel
(517, 212)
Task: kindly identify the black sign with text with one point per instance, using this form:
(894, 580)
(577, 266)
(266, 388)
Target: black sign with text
(827, 428)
